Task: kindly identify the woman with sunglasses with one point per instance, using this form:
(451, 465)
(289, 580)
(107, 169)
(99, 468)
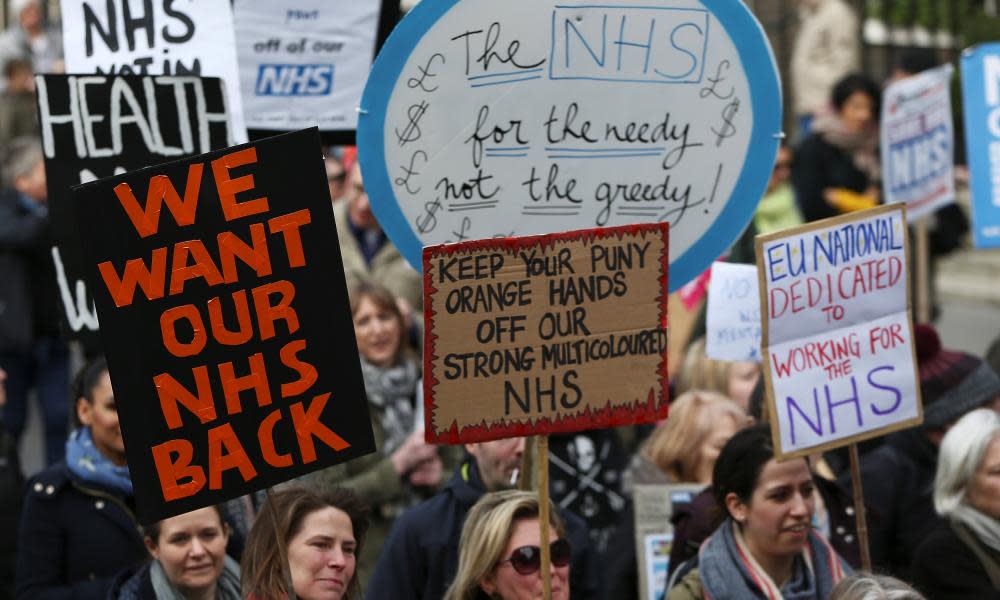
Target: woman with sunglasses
(499, 554)
(766, 548)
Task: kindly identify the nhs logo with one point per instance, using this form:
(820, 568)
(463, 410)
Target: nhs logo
(294, 80)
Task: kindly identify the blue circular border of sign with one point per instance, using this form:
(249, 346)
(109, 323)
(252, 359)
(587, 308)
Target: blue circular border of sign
(765, 95)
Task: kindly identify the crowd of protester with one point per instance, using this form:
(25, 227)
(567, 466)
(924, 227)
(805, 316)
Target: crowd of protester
(416, 520)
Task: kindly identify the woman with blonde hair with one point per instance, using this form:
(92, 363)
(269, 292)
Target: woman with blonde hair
(734, 380)
(499, 554)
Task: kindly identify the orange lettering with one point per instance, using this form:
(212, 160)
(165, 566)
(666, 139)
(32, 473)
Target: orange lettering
(146, 220)
(256, 380)
(268, 313)
(288, 225)
(223, 438)
(219, 331)
(171, 392)
(122, 289)
(168, 330)
(307, 425)
(203, 266)
(266, 437)
(307, 373)
(256, 256)
(171, 471)
(228, 188)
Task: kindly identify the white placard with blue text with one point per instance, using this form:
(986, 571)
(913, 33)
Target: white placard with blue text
(981, 103)
(838, 348)
(184, 37)
(732, 323)
(305, 63)
(918, 141)
(489, 119)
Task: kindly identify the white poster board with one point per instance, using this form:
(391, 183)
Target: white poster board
(305, 64)
(732, 323)
(981, 113)
(487, 119)
(175, 37)
(918, 140)
(654, 506)
(839, 357)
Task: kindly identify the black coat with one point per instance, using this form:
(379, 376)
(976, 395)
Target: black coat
(74, 538)
(820, 165)
(898, 483)
(420, 558)
(945, 568)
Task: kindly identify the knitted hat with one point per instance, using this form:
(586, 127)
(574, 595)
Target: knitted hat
(951, 383)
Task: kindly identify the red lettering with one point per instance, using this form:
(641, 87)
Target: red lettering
(146, 220)
(228, 188)
(219, 331)
(288, 225)
(170, 393)
(223, 438)
(307, 373)
(203, 266)
(307, 425)
(268, 313)
(122, 289)
(256, 380)
(265, 435)
(170, 470)
(256, 256)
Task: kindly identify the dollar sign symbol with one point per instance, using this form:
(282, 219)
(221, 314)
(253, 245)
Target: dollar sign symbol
(728, 130)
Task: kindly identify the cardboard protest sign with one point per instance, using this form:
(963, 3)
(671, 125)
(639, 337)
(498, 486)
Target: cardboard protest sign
(307, 65)
(981, 111)
(226, 322)
(95, 126)
(918, 140)
(522, 117)
(119, 37)
(839, 358)
(654, 507)
(545, 334)
(732, 322)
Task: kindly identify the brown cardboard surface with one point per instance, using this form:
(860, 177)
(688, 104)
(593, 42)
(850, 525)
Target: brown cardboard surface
(606, 363)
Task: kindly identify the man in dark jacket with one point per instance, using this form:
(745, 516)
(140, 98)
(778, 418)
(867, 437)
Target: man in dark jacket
(30, 349)
(420, 558)
(898, 477)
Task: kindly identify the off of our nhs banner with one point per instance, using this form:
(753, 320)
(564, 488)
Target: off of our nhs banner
(981, 104)
(839, 358)
(918, 141)
(524, 117)
(306, 62)
(168, 37)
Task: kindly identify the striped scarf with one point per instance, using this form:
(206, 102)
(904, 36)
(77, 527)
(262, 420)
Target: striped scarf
(728, 569)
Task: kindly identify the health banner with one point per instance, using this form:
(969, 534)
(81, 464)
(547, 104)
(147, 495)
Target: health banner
(918, 141)
(226, 322)
(839, 357)
(545, 334)
(96, 126)
(306, 63)
(732, 322)
(525, 117)
(981, 104)
(124, 37)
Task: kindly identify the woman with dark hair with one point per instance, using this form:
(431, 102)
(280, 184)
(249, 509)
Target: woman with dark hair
(323, 535)
(766, 547)
(189, 561)
(836, 168)
(78, 528)
(405, 463)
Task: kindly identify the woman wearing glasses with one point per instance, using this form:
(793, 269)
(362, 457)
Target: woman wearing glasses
(499, 554)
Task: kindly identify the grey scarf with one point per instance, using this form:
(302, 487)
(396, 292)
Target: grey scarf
(226, 588)
(390, 394)
(986, 528)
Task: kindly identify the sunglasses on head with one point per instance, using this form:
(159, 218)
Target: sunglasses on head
(527, 560)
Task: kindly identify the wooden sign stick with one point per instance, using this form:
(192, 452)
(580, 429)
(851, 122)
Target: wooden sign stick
(543, 514)
(859, 509)
(279, 539)
(923, 271)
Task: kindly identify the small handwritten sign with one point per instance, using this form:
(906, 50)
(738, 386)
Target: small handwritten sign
(981, 103)
(838, 337)
(732, 322)
(545, 334)
(225, 268)
(497, 119)
(96, 126)
(918, 139)
(123, 37)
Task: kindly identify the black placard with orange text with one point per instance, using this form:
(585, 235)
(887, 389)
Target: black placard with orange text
(224, 313)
